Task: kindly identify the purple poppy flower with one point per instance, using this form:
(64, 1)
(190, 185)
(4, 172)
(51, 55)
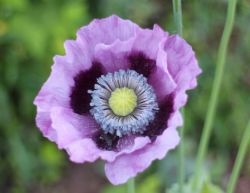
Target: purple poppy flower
(116, 95)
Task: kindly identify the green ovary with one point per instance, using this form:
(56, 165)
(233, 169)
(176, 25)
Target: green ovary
(123, 101)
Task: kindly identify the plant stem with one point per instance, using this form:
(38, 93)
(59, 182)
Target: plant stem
(181, 155)
(177, 15)
(239, 160)
(131, 186)
(177, 10)
(215, 90)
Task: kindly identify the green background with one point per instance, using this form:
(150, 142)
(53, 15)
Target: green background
(33, 31)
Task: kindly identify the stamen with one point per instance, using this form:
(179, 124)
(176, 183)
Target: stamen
(106, 101)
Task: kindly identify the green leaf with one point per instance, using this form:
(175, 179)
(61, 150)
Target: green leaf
(115, 189)
(150, 184)
(210, 188)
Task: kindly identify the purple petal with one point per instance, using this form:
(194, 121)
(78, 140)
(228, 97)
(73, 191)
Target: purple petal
(175, 120)
(77, 152)
(106, 31)
(83, 150)
(55, 92)
(182, 63)
(43, 122)
(162, 80)
(56, 89)
(113, 56)
(71, 127)
(183, 67)
(147, 40)
(78, 56)
(128, 165)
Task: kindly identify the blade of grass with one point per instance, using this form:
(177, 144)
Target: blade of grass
(220, 65)
(177, 11)
(131, 186)
(239, 159)
(177, 15)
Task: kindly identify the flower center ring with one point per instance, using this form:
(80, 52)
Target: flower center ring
(123, 103)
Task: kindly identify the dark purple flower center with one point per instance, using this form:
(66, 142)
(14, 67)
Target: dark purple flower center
(106, 141)
(160, 122)
(141, 64)
(84, 81)
(80, 100)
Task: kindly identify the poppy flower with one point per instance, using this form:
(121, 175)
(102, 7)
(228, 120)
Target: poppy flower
(116, 95)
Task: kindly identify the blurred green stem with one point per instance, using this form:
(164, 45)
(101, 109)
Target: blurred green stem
(239, 160)
(181, 155)
(215, 90)
(177, 16)
(177, 10)
(131, 185)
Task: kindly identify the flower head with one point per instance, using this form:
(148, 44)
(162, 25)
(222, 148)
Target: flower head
(116, 95)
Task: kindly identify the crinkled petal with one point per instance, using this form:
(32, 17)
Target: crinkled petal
(161, 79)
(113, 56)
(83, 150)
(70, 127)
(147, 41)
(183, 66)
(175, 120)
(56, 89)
(55, 92)
(128, 165)
(43, 122)
(182, 63)
(106, 31)
(78, 56)
(76, 150)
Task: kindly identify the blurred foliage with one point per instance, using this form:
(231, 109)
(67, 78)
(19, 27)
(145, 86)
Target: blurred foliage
(149, 184)
(130, 9)
(206, 187)
(33, 31)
